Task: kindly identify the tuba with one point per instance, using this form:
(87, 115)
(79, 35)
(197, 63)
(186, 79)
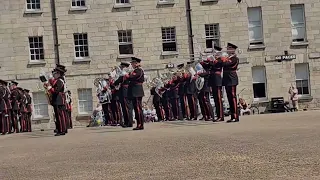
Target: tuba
(104, 96)
(118, 72)
(44, 78)
(193, 72)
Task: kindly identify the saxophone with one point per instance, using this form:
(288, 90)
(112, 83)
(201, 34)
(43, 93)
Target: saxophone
(44, 78)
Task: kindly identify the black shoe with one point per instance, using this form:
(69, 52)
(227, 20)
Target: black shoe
(233, 120)
(219, 120)
(57, 134)
(138, 128)
(62, 134)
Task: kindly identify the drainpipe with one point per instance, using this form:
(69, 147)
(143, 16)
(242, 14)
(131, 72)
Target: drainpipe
(189, 26)
(55, 31)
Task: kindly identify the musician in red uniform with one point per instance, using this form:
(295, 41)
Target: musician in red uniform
(230, 80)
(29, 110)
(204, 94)
(4, 114)
(136, 92)
(69, 111)
(173, 86)
(15, 103)
(191, 91)
(57, 89)
(182, 95)
(23, 111)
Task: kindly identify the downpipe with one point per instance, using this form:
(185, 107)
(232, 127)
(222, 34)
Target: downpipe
(55, 31)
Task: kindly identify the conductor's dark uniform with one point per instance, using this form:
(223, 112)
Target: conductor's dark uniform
(230, 81)
(216, 84)
(136, 92)
(123, 98)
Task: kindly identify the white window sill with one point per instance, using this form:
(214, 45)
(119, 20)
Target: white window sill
(118, 6)
(204, 1)
(40, 118)
(80, 8)
(31, 11)
(125, 56)
(304, 97)
(166, 2)
(299, 43)
(254, 47)
(84, 59)
(36, 62)
(260, 100)
(169, 53)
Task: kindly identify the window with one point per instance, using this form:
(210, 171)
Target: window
(259, 83)
(125, 42)
(81, 45)
(298, 23)
(33, 5)
(122, 1)
(36, 48)
(169, 39)
(40, 105)
(78, 3)
(85, 101)
(302, 78)
(212, 34)
(255, 26)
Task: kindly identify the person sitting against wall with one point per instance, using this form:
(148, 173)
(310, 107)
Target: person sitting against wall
(244, 107)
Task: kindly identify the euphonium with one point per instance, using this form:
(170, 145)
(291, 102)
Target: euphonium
(103, 90)
(45, 79)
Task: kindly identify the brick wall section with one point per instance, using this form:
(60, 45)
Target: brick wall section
(101, 21)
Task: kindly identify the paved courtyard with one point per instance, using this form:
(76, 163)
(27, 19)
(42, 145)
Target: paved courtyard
(276, 146)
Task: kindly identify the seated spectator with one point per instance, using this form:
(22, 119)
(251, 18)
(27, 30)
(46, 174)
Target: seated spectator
(97, 118)
(244, 107)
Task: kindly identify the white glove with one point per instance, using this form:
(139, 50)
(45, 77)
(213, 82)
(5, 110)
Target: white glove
(49, 87)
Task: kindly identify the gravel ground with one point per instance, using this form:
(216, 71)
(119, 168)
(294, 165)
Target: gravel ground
(274, 146)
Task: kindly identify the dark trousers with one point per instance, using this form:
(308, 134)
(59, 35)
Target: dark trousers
(137, 107)
(192, 101)
(4, 122)
(69, 119)
(126, 107)
(217, 96)
(107, 113)
(175, 107)
(14, 120)
(201, 104)
(184, 106)
(204, 100)
(167, 109)
(23, 122)
(232, 99)
(28, 122)
(159, 110)
(60, 115)
(116, 111)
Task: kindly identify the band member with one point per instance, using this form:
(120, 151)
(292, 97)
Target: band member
(23, 111)
(15, 99)
(204, 95)
(156, 101)
(182, 95)
(216, 84)
(135, 91)
(106, 106)
(57, 89)
(191, 91)
(29, 110)
(174, 96)
(69, 110)
(4, 114)
(230, 80)
(123, 98)
(115, 105)
(165, 101)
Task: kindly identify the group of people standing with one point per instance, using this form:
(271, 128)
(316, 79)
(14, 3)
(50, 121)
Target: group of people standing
(15, 108)
(218, 71)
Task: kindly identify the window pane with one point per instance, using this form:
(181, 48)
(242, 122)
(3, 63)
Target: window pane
(298, 33)
(169, 46)
(126, 49)
(254, 14)
(297, 13)
(255, 34)
(259, 90)
(40, 104)
(85, 100)
(258, 74)
(302, 71)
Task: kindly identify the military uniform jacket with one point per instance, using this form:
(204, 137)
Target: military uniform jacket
(182, 83)
(114, 91)
(7, 98)
(57, 91)
(23, 103)
(15, 99)
(29, 103)
(123, 90)
(215, 69)
(3, 105)
(206, 76)
(190, 85)
(136, 79)
(230, 76)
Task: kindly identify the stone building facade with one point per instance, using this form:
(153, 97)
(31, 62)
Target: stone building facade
(95, 35)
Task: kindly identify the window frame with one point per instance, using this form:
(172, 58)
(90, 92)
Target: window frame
(301, 24)
(85, 4)
(308, 78)
(35, 117)
(125, 43)
(32, 10)
(171, 40)
(128, 3)
(256, 42)
(263, 68)
(83, 45)
(87, 101)
(39, 49)
(212, 38)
